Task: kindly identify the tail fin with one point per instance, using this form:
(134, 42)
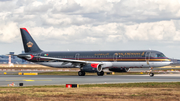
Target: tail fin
(28, 42)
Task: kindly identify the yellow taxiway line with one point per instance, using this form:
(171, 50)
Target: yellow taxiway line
(28, 80)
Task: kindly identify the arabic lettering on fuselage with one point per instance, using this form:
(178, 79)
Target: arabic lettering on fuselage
(130, 54)
(104, 54)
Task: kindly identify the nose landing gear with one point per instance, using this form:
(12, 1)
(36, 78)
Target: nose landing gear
(151, 74)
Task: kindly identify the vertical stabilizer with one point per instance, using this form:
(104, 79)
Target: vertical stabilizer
(28, 42)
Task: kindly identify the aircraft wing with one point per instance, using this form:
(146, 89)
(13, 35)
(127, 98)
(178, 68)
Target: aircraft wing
(55, 59)
(66, 60)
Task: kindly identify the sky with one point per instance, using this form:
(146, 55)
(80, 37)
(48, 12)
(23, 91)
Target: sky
(74, 25)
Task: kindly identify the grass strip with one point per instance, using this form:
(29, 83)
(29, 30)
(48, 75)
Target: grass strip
(144, 85)
(95, 92)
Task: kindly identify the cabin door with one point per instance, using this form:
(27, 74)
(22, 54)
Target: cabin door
(77, 56)
(147, 57)
(115, 57)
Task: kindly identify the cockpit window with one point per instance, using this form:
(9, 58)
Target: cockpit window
(160, 55)
(153, 54)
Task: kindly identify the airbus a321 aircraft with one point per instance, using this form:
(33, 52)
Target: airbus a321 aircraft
(92, 61)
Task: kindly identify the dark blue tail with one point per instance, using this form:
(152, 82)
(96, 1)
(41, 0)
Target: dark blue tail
(28, 42)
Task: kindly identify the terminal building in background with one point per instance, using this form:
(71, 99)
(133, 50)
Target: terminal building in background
(4, 59)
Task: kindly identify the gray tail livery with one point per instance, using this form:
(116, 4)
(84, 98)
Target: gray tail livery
(28, 42)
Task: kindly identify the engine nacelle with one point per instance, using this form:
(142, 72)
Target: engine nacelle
(95, 67)
(119, 69)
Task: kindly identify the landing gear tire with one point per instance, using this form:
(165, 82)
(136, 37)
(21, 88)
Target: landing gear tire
(100, 73)
(81, 73)
(151, 74)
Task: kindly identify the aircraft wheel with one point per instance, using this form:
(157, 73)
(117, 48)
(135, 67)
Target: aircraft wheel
(100, 73)
(81, 73)
(151, 74)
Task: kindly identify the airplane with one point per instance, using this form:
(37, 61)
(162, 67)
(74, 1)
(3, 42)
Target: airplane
(92, 61)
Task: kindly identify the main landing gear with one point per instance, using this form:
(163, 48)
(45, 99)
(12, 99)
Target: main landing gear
(151, 74)
(81, 73)
(100, 73)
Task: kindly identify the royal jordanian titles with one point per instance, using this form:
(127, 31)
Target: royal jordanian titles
(92, 61)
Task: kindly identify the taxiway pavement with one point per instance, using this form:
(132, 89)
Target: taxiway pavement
(35, 80)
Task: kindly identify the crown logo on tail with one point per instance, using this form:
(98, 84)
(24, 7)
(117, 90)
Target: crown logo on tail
(29, 44)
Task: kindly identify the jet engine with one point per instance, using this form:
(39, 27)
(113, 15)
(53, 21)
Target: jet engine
(95, 67)
(119, 69)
